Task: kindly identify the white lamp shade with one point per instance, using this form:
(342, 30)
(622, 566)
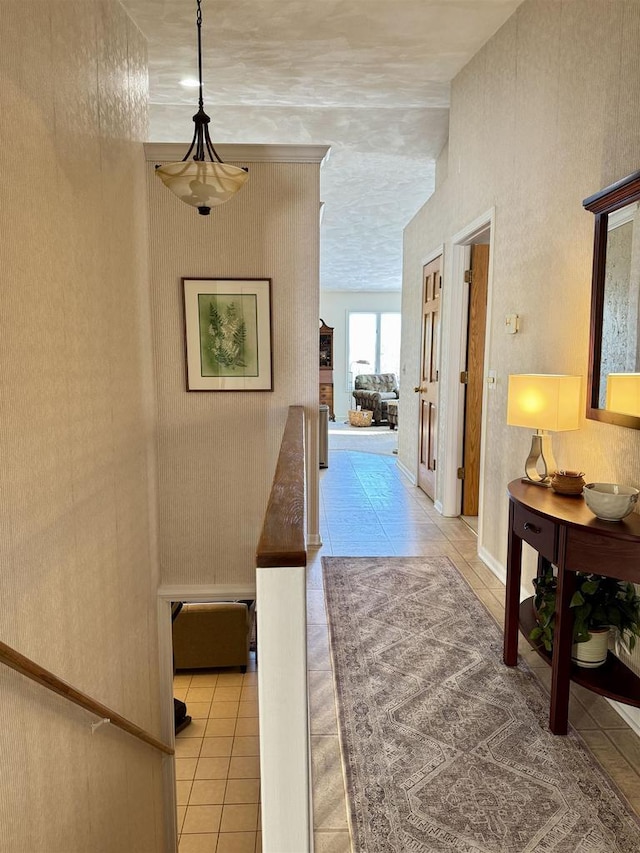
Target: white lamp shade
(544, 402)
(202, 183)
(623, 393)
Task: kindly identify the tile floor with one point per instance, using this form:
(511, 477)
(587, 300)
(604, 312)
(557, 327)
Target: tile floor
(217, 763)
(368, 508)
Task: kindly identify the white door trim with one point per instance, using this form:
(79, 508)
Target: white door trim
(455, 333)
(432, 256)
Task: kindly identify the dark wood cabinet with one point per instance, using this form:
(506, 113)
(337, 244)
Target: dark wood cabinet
(566, 534)
(326, 367)
(326, 346)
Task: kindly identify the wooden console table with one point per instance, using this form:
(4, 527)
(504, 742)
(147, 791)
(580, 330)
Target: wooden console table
(564, 532)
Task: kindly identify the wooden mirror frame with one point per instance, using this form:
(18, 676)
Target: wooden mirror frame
(602, 203)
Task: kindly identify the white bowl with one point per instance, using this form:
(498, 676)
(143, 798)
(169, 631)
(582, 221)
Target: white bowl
(610, 501)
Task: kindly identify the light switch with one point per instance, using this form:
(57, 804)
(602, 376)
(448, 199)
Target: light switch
(512, 323)
(491, 380)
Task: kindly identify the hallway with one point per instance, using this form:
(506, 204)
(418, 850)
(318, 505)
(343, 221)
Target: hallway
(368, 508)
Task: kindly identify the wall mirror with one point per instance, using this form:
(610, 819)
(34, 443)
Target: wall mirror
(613, 393)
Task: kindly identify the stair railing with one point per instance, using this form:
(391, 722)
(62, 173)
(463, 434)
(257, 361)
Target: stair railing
(281, 611)
(24, 665)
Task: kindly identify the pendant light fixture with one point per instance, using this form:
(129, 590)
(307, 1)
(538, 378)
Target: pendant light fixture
(201, 182)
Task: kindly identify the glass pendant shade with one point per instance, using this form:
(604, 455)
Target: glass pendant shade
(202, 184)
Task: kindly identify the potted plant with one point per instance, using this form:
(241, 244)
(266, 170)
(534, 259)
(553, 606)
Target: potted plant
(598, 604)
(544, 607)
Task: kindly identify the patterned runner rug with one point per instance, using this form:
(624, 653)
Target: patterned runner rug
(445, 748)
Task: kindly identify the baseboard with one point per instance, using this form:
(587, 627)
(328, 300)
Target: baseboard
(499, 570)
(629, 714)
(410, 477)
(491, 563)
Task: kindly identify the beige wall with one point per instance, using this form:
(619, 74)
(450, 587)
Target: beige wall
(218, 450)
(77, 543)
(544, 115)
(334, 308)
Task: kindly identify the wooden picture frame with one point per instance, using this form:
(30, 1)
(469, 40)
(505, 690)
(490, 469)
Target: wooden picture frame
(228, 334)
(605, 204)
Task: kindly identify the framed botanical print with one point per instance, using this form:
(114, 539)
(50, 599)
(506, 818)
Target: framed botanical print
(228, 334)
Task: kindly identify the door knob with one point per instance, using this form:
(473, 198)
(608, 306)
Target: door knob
(419, 388)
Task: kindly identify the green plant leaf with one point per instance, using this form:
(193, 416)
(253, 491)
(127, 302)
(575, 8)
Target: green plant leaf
(597, 602)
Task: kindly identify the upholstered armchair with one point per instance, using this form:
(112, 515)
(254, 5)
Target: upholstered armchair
(213, 634)
(373, 391)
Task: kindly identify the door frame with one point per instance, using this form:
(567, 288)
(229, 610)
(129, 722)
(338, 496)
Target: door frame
(164, 596)
(455, 335)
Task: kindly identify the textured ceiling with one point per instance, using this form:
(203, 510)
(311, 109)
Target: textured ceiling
(367, 77)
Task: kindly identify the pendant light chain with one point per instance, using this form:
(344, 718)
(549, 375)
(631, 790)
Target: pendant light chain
(200, 182)
(201, 144)
(199, 26)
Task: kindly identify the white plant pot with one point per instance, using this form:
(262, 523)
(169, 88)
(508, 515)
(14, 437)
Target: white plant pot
(594, 652)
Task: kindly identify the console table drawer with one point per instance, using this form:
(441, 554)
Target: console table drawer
(540, 533)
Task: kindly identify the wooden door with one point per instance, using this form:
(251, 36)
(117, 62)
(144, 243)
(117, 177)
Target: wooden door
(477, 277)
(428, 388)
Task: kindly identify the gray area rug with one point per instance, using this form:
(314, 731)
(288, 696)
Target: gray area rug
(445, 748)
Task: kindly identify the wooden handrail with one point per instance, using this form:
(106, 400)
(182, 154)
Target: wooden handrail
(282, 641)
(47, 679)
(282, 541)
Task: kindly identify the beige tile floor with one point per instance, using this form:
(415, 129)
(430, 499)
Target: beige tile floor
(217, 762)
(369, 509)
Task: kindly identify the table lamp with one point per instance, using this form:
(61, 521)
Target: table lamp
(543, 402)
(623, 393)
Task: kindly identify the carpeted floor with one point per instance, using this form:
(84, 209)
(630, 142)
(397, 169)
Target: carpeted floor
(371, 439)
(445, 748)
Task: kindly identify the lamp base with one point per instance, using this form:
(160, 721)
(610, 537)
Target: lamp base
(546, 484)
(540, 465)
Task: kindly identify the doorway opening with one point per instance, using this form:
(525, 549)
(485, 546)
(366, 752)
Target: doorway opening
(472, 376)
(216, 766)
(468, 320)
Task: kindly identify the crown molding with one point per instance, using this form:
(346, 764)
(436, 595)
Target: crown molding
(172, 152)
